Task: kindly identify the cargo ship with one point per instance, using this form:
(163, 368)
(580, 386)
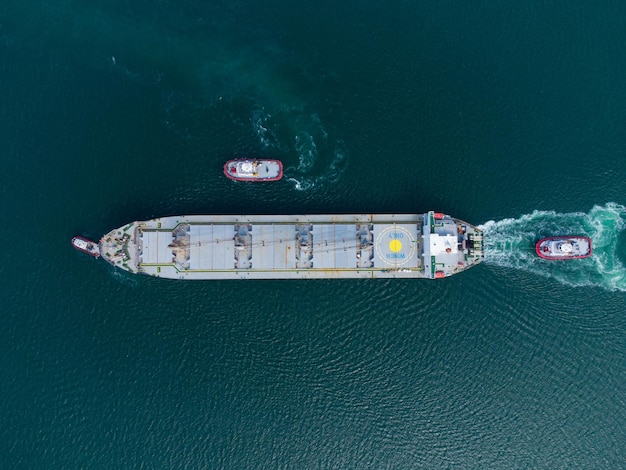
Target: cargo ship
(430, 245)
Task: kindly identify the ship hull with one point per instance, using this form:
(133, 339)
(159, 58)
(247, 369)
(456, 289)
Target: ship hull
(86, 246)
(254, 170)
(295, 246)
(564, 248)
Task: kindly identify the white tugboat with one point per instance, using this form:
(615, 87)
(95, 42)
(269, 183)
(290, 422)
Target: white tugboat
(87, 246)
(253, 170)
(570, 247)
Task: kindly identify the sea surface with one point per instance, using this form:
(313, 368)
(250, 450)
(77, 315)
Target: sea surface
(510, 115)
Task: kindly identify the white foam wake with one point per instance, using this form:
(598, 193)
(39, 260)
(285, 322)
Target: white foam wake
(321, 159)
(511, 243)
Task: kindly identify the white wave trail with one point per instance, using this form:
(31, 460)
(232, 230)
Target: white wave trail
(511, 243)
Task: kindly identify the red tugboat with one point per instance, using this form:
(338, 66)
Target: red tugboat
(253, 170)
(87, 246)
(569, 247)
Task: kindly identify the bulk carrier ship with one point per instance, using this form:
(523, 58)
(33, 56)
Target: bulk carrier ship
(430, 245)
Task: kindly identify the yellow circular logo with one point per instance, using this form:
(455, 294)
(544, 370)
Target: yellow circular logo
(395, 245)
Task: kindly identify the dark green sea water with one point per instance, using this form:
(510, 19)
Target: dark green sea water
(507, 114)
